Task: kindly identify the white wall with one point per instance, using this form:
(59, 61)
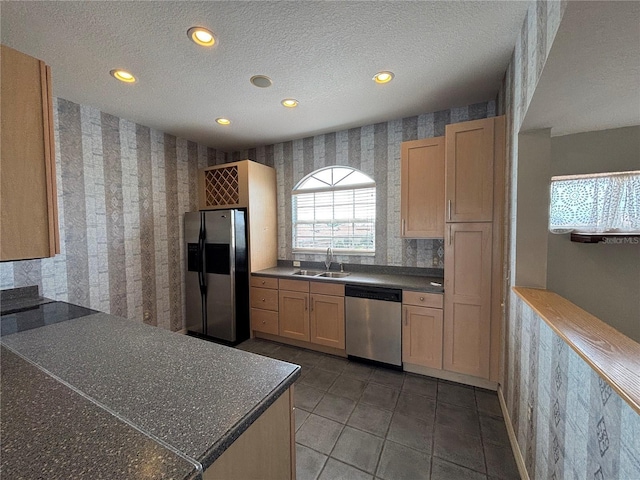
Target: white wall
(602, 279)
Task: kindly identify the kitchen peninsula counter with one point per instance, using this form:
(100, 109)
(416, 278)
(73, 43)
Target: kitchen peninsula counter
(162, 405)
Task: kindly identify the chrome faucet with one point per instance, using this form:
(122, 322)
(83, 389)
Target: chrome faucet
(329, 259)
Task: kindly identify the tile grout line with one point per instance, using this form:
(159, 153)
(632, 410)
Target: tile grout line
(433, 430)
(400, 389)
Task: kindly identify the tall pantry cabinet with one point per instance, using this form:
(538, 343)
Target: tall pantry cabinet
(29, 219)
(474, 197)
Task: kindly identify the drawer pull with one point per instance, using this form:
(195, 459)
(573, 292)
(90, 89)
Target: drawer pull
(263, 282)
(264, 322)
(422, 299)
(263, 299)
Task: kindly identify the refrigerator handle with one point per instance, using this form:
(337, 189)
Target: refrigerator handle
(201, 276)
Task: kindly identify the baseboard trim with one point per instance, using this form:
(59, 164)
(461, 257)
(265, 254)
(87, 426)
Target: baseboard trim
(513, 439)
(451, 376)
(300, 343)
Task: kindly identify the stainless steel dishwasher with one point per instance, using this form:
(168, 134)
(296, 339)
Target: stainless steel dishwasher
(373, 318)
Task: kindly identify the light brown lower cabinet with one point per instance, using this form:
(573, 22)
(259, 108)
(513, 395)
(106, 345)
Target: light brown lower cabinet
(264, 321)
(264, 305)
(266, 450)
(422, 336)
(467, 297)
(327, 321)
(310, 312)
(293, 315)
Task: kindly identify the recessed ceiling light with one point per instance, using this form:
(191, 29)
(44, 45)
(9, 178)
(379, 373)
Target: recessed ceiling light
(261, 81)
(383, 77)
(201, 36)
(290, 102)
(223, 121)
(122, 75)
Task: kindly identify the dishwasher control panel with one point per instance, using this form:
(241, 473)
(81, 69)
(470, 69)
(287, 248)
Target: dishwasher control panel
(373, 293)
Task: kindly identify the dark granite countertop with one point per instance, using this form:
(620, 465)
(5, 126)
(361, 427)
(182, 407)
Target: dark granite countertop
(23, 298)
(193, 396)
(50, 431)
(419, 283)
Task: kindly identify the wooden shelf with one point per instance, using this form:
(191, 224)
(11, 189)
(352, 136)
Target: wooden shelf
(633, 239)
(613, 356)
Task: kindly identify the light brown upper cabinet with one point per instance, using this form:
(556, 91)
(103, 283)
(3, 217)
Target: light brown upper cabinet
(422, 193)
(250, 185)
(469, 171)
(29, 219)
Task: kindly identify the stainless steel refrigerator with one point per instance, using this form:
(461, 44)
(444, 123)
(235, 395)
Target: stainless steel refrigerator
(216, 277)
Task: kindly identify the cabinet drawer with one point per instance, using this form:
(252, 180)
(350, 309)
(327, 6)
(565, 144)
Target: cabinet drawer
(264, 282)
(327, 288)
(433, 300)
(264, 299)
(264, 321)
(293, 285)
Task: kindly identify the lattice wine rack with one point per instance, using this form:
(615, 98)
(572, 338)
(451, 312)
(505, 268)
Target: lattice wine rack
(221, 186)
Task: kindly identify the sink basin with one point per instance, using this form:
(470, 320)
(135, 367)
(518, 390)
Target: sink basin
(308, 273)
(334, 274)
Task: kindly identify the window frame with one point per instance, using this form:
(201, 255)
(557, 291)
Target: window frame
(297, 191)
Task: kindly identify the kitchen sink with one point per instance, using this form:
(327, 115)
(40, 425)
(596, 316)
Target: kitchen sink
(334, 274)
(308, 273)
(320, 273)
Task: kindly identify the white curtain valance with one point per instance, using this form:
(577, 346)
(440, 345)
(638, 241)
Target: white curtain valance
(597, 203)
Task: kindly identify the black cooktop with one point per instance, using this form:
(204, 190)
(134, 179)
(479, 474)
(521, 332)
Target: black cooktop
(41, 315)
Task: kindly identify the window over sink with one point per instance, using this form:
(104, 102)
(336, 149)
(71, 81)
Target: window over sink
(334, 207)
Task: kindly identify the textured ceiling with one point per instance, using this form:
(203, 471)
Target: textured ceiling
(591, 80)
(444, 54)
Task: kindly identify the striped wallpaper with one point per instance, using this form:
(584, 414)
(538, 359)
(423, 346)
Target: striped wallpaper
(578, 427)
(123, 187)
(122, 190)
(374, 149)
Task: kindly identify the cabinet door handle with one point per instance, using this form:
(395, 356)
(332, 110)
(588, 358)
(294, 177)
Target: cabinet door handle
(305, 304)
(406, 318)
(312, 302)
(449, 234)
(404, 227)
(449, 210)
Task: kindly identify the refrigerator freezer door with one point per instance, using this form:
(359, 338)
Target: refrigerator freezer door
(220, 274)
(193, 274)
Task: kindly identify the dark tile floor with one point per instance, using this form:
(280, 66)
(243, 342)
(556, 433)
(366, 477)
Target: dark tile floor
(354, 421)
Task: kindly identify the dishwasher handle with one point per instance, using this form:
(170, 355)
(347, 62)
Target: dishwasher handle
(373, 293)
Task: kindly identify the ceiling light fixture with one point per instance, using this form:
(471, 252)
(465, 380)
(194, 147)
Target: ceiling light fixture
(383, 77)
(122, 75)
(201, 36)
(290, 102)
(223, 121)
(261, 81)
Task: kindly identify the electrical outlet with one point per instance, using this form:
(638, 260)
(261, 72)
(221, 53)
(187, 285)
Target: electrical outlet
(296, 263)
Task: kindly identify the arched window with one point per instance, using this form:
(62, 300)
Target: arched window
(334, 207)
